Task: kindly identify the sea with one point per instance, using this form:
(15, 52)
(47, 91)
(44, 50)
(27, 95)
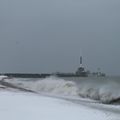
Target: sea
(100, 89)
(51, 98)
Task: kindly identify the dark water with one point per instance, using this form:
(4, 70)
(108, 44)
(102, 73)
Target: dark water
(105, 89)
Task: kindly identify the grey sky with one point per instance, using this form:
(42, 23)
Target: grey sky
(49, 35)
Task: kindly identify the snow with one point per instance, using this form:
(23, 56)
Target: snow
(27, 106)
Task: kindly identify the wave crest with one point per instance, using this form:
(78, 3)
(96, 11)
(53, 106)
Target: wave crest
(106, 92)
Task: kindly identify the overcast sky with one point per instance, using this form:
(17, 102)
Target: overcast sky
(50, 35)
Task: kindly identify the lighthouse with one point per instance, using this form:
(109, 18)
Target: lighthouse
(81, 71)
(80, 61)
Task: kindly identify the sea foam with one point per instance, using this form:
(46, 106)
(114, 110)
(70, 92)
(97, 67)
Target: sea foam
(105, 92)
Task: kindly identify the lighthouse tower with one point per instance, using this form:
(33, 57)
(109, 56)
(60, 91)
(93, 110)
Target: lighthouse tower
(80, 61)
(81, 68)
(81, 71)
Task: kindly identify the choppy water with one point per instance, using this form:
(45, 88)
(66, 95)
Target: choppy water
(104, 89)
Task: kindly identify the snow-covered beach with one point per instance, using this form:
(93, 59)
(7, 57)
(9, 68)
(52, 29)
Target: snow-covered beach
(22, 106)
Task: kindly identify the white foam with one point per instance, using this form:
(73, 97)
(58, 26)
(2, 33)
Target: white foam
(104, 92)
(3, 77)
(55, 86)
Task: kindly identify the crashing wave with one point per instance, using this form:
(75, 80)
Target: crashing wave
(107, 92)
(55, 86)
(2, 77)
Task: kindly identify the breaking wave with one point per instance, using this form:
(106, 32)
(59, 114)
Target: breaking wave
(53, 85)
(105, 92)
(108, 92)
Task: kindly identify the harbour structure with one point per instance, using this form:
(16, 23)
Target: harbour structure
(81, 70)
(79, 73)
